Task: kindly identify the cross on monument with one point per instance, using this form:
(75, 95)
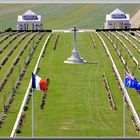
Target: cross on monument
(74, 31)
(75, 58)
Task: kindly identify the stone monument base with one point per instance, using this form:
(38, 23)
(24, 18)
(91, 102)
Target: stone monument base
(75, 60)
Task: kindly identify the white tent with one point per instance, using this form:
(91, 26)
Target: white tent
(29, 17)
(117, 20)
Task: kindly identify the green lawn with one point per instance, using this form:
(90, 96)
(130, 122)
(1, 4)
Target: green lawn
(132, 93)
(76, 103)
(15, 106)
(64, 16)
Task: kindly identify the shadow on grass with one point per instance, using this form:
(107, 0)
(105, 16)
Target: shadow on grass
(11, 112)
(91, 63)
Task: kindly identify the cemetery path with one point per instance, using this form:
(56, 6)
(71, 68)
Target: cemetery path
(79, 30)
(135, 20)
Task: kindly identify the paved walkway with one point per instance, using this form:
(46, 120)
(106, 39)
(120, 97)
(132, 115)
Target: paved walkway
(79, 30)
(135, 20)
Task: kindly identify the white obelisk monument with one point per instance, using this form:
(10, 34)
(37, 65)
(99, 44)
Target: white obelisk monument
(75, 58)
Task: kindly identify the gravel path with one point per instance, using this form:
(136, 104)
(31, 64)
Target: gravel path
(135, 20)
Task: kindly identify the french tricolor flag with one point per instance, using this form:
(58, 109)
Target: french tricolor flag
(38, 83)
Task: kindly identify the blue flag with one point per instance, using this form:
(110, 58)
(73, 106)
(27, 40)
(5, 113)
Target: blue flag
(130, 81)
(138, 86)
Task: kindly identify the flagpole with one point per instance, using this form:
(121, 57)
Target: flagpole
(124, 131)
(32, 113)
(124, 112)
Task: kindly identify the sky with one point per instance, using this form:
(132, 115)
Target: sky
(69, 1)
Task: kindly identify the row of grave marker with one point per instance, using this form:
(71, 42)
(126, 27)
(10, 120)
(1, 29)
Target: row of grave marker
(17, 83)
(126, 48)
(109, 93)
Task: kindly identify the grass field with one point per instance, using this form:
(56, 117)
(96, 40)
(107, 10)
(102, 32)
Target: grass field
(77, 102)
(76, 106)
(64, 16)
